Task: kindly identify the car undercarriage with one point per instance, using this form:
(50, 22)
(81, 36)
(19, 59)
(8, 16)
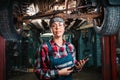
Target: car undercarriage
(78, 14)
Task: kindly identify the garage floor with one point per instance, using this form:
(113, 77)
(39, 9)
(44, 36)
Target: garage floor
(85, 74)
(88, 74)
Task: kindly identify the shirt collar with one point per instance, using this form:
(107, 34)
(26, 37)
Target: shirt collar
(53, 43)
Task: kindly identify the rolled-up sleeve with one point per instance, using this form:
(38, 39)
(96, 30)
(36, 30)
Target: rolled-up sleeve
(42, 65)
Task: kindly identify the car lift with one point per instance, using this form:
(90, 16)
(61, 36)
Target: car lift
(109, 67)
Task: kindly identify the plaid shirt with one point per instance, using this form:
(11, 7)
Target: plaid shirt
(42, 62)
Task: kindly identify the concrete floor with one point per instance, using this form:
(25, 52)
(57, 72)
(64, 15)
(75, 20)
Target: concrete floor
(85, 74)
(88, 74)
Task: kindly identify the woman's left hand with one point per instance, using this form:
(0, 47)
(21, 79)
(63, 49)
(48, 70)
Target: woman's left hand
(81, 63)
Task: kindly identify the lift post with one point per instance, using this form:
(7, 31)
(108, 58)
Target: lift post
(2, 59)
(109, 66)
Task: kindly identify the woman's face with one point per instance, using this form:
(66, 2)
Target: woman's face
(57, 28)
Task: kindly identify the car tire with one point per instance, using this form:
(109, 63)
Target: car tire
(110, 22)
(7, 29)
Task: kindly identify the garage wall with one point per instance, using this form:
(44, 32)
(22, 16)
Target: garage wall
(89, 43)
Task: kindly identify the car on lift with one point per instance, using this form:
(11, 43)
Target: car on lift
(106, 24)
(109, 23)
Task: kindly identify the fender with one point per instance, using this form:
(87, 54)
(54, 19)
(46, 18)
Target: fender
(114, 2)
(110, 2)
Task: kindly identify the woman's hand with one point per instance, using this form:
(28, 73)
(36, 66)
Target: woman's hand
(81, 63)
(65, 71)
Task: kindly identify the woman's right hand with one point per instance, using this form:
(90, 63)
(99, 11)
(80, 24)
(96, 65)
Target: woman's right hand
(65, 71)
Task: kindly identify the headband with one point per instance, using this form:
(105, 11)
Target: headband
(57, 19)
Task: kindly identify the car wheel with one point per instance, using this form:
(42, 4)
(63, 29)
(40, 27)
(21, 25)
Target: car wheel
(7, 29)
(109, 23)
